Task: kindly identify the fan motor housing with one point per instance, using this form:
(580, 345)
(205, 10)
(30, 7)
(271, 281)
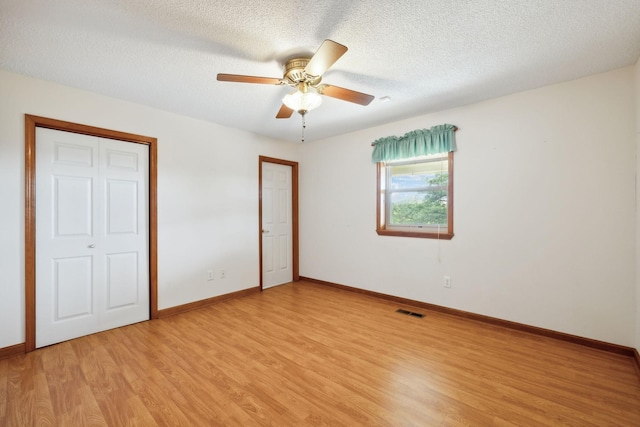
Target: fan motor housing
(294, 72)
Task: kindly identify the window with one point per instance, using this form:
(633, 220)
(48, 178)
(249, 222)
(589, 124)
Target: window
(415, 183)
(415, 197)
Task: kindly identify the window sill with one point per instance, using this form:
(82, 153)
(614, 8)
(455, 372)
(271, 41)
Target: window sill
(418, 234)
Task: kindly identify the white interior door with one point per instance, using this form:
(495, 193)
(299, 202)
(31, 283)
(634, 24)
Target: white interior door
(277, 254)
(91, 235)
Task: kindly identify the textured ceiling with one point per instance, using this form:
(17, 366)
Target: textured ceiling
(424, 55)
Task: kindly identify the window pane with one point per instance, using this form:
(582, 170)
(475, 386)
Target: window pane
(419, 175)
(418, 193)
(419, 208)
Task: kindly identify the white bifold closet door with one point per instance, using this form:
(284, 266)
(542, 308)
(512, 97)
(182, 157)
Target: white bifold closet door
(92, 269)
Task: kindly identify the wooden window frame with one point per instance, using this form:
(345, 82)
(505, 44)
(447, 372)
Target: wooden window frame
(381, 226)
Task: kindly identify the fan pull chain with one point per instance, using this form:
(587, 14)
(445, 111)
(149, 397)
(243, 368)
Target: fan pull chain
(304, 126)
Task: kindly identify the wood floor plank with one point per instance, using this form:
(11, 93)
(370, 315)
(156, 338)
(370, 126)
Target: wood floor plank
(28, 398)
(162, 400)
(4, 369)
(205, 394)
(304, 354)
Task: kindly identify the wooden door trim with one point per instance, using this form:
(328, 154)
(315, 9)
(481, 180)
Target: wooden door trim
(31, 123)
(295, 249)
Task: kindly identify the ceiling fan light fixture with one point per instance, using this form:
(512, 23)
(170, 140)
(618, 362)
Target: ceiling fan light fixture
(303, 100)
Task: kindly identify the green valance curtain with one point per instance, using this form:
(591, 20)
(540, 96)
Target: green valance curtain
(421, 142)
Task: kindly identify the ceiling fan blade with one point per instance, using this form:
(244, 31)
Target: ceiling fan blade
(284, 113)
(249, 79)
(326, 55)
(346, 94)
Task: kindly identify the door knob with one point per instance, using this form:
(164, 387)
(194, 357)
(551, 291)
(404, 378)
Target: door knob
(91, 246)
(265, 231)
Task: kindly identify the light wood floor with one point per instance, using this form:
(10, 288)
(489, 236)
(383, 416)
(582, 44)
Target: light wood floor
(303, 354)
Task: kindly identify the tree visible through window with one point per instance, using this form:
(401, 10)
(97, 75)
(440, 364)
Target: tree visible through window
(414, 197)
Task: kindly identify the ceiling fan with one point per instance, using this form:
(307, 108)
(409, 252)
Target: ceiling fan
(305, 74)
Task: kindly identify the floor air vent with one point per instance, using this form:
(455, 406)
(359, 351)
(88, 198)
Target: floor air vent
(410, 313)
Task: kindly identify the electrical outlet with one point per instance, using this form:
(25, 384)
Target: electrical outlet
(223, 274)
(210, 275)
(447, 281)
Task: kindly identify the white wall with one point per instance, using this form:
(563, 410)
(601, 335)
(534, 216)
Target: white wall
(544, 211)
(207, 192)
